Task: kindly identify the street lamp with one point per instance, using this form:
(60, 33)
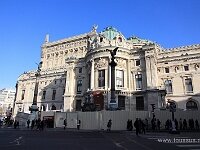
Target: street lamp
(34, 107)
(112, 64)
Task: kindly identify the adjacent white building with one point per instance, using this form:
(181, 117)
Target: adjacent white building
(7, 97)
(75, 74)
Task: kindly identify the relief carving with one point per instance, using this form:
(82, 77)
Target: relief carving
(100, 63)
(121, 62)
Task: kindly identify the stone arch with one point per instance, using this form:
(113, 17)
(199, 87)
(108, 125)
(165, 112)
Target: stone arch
(43, 108)
(192, 104)
(53, 107)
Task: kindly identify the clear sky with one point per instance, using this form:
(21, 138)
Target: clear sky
(24, 24)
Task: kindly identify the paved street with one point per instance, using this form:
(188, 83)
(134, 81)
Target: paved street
(58, 139)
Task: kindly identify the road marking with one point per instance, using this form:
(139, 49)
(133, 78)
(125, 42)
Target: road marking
(189, 145)
(152, 138)
(119, 145)
(145, 147)
(17, 140)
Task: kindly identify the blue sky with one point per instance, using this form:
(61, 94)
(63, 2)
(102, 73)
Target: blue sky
(24, 24)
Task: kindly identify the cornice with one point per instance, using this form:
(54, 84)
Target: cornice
(180, 49)
(178, 58)
(65, 40)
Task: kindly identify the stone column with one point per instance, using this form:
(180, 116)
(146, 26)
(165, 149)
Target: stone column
(92, 75)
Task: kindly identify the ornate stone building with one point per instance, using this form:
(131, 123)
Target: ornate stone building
(7, 97)
(75, 74)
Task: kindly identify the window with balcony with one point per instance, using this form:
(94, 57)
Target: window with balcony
(138, 80)
(101, 78)
(188, 85)
(168, 86)
(119, 78)
(79, 86)
(43, 94)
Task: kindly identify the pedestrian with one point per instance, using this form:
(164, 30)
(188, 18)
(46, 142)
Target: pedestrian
(143, 127)
(15, 124)
(65, 124)
(146, 124)
(18, 124)
(176, 124)
(180, 124)
(196, 124)
(136, 125)
(42, 125)
(158, 124)
(78, 124)
(109, 124)
(28, 123)
(184, 124)
(32, 124)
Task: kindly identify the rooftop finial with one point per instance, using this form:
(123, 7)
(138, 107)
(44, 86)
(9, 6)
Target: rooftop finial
(47, 38)
(94, 28)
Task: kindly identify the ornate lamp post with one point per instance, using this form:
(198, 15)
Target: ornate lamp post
(113, 104)
(34, 107)
(172, 109)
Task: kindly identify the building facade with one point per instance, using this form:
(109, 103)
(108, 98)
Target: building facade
(75, 74)
(7, 97)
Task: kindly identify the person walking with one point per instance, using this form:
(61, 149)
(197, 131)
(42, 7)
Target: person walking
(28, 123)
(136, 125)
(65, 124)
(78, 124)
(109, 124)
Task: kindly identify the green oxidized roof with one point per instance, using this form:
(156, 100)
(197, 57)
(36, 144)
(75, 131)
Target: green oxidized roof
(110, 33)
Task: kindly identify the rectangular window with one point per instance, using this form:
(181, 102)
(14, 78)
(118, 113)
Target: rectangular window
(101, 78)
(138, 80)
(137, 62)
(89, 80)
(119, 78)
(79, 86)
(188, 85)
(101, 39)
(23, 93)
(78, 105)
(168, 86)
(166, 70)
(54, 95)
(63, 94)
(80, 70)
(121, 102)
(43, 94)
(140, 103)
(186, 68)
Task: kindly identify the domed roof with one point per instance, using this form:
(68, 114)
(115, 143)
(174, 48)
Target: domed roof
(110, 33)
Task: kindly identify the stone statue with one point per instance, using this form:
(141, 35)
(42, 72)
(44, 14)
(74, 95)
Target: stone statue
(94, 28)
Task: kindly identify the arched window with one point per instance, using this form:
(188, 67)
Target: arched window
(119, 39)
(168, 86)
(53, 107)
(191, 105)
(43, 108)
